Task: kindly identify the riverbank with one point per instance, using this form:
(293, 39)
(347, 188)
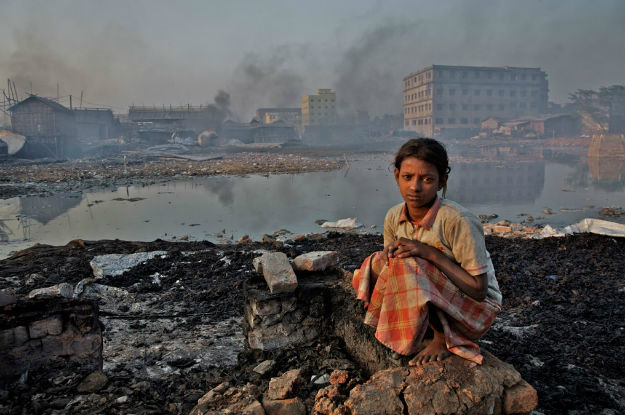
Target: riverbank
(561, 326)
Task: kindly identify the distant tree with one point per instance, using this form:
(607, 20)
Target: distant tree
(607, 94)
(585, 98)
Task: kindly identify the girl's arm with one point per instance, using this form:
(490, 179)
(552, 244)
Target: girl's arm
(475, 286)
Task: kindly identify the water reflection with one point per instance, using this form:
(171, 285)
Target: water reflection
(258, 204)
(607, 170)
(494, 182)
(45, 209)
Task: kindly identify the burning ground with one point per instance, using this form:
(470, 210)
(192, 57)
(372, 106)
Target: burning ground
(173, 324)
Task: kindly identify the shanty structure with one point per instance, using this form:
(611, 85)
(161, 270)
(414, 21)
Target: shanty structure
(159, 123)
(49, 127)
(96, 123)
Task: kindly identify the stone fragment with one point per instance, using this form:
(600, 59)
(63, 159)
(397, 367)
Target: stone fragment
(520, 398)
(502, 229)
(42, 328)
(266, 307)
(59, 290)
(257, 263)
(300, 237)
(316, 261)
(92, 383)
(453, 386)
(264, 367)
(339, 377)
(372, 398)
(329, 401)
(279, 336)
(284, 386)
(232, 401)
(278, 273)
(293, 406)
(7, 296)
(245, 239)
(117, 264)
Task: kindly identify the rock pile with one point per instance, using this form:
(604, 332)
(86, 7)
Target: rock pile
(317, 299)
(48, 333)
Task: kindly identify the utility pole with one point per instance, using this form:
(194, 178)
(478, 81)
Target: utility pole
(81, 99)
(70, 102)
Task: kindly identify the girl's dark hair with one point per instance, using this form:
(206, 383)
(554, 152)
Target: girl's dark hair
(426, 149)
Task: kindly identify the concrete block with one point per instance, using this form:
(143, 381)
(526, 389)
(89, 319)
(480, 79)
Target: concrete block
(50, 326)
(318, 261)
(278, 273)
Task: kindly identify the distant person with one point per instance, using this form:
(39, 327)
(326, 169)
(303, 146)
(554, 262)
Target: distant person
(434, 270)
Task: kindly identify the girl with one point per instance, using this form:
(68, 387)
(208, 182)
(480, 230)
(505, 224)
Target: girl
(434, 270)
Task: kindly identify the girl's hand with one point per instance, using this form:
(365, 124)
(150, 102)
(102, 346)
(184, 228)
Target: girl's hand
(404, 248)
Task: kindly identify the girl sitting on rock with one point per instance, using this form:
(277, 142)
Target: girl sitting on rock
(434, 270)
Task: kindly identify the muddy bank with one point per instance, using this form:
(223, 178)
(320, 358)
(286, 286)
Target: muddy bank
(45, 177)
(177, 334)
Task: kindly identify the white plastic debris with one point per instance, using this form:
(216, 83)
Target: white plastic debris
(598, 226)
(347, 223)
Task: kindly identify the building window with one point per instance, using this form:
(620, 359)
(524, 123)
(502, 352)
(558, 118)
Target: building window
(420, 122)
(513, 105)
(451, 121)
(465, 92)
(439, 107)
(523, 92)
(489, 107)
(522, 104)
(476, 120)
(464, 120)
(476, 107)
(465, 107)
(532, 105)
(429, 75)
(523, 77)
(439, 121)
(501, 76)
(534, 77)
(477, 75)
(452, 91)
(513, 92)
(452, 74)
(502, 107)
(501, 92)
(452, 107)
(476, 92)
(439, 91)
(465, 74)
(414, 122)
(489, 75)
(406, 123)
(489, 92)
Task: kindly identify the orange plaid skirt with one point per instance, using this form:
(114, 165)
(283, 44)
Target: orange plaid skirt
(398, 294)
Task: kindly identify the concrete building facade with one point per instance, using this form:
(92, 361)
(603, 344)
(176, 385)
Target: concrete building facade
(292, 116)
(319, 109)
(454, 100)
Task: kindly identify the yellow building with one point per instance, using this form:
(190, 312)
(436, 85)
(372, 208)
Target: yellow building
(319, 109)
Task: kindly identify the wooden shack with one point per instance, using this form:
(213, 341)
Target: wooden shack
(49, 127)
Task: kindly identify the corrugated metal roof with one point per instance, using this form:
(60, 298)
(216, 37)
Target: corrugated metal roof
(43, 100)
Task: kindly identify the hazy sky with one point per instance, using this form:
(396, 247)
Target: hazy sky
(270, 53)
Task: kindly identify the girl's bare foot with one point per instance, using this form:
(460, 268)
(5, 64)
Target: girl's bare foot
(433, 352)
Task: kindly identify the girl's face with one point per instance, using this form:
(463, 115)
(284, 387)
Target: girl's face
(418, 182)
